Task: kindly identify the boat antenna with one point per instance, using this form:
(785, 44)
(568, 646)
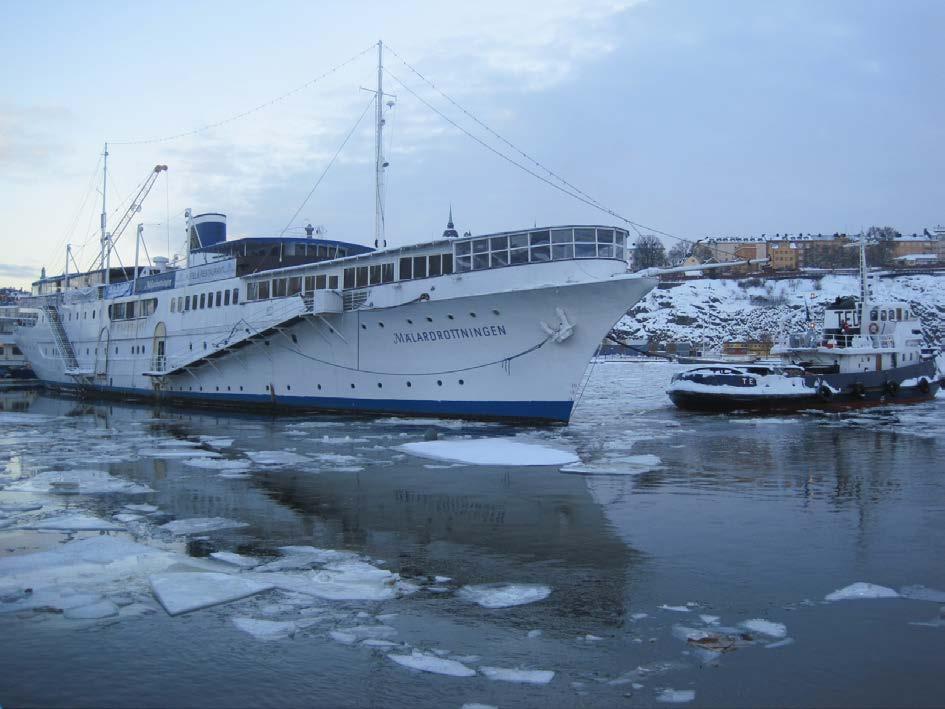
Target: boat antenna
(379, 240)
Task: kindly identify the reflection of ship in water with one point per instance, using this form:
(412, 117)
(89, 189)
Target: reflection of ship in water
(475, 525)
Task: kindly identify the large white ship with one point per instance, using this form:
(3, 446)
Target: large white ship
(487, 326)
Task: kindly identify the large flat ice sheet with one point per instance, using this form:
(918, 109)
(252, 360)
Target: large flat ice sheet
(186, 591)
(490, 451)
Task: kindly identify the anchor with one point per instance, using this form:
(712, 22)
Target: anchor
(563, 331)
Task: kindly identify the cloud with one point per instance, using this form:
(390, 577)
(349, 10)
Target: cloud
(15, 270)
(28, 138)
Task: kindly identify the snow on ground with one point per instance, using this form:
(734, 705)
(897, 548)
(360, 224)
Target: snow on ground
(199, 525)
(513, 675)
(504, 595)
(490, 451)
(714, 310)
(431, 663)
(84, 482)
(861, 589)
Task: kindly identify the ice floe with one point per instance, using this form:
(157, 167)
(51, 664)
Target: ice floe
(229, 557)
(431, 663)
(304, 557)
(225, 464)
(921, 593)
(765, 627)
(177, 452)
(676, 696)
(504, 595)
(276, 458)
(72, 523)
(86, 482)
(677, 609)
(185, 591)
(199, 525)
(490, 451)
(861, 589)
(266, 629)
(345, 581)
(93, 611)
(780, 643)
(146, 509)
(514, 675)
(24, 507)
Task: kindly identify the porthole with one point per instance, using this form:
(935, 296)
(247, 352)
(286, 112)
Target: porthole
(319, 387)
(218, 388)
(267, 387)
(267, 342)
(363, 326)
(409, 321)
(295, 339)
(409, 384)
(472, 315)
(461, 382)
(439, 382)
(495, 312)
(379, 385)
(380, 324)
(241, 388)
(228, 388)
(352, 385)
(450, 317)
(429, 319)
(288, 387)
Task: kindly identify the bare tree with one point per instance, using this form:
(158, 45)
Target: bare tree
(679, 252)
(880, 245)
(648, 252)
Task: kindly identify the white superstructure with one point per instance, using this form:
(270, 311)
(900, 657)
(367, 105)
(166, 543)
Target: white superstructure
(497, 326)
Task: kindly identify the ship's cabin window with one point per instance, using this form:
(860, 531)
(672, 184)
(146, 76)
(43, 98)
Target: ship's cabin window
(209, 300)
(226, 297)
(219, 298)
(898, 313)
(173, 304)
(425, 266)
(263, 290)
(874, 315)
(361, 276)
(882, 315)
(203, 301)
(278, 287)
(295, 285)
(236, 296)
(539, 246)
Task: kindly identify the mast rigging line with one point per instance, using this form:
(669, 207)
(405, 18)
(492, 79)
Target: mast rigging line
(243, 114)
(328, 166)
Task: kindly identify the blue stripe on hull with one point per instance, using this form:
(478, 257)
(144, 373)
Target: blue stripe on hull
(553, 411)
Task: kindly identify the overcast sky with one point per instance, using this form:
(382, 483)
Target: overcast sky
(698, 118)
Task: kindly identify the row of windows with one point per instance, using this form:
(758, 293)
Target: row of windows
(890, 314)
(424, 266)
(14, 350)
(361, 276)
(132, 309)
(282, 287)
(85, 314)
(183, 303)
(540, 246)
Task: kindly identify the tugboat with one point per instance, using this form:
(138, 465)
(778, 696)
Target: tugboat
(865, 354)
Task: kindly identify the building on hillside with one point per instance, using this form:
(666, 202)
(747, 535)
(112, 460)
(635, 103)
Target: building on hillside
(925, 246)
(783, 255)
(753, 348)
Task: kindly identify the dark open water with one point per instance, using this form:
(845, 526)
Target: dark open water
(742, 519)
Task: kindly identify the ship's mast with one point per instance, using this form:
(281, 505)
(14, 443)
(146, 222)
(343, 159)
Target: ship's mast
(864, 285)
(104, 237)
(379, 240)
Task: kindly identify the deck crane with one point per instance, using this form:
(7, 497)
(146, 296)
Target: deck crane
(133, 208)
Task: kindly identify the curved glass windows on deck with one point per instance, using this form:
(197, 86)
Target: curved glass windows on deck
(539, 246)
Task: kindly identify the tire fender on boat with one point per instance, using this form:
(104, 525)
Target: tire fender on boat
(924, 385)
(891, 388)
(825, 393)
(859, 391)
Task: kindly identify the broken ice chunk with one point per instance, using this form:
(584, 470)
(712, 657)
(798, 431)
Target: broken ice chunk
(504, 595)
(678, 609)
(228, 557)
(431, 663)
(146, 509)
(274, 458)
(186, 591)
(490, 451)
(861, 589)
(72, 523)
(198, 525)
(93, 611)
(921, 593)
(505, 674)
(84, 482)
(676, 696)
(265, 629)
(765, 627)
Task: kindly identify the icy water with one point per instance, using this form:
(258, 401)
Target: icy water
(685, 559)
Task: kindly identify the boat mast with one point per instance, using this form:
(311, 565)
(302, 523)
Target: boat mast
(864, 285)
(104, 237)
(379, 240)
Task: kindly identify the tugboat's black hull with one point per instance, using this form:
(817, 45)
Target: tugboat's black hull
(829, 391)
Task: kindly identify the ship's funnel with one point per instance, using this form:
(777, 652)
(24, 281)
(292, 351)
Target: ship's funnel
(207, 229)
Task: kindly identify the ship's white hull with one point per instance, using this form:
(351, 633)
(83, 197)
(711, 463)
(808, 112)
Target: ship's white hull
(494, 353)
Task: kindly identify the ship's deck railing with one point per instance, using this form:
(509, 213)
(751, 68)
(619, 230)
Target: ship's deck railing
(814, 340)
(538, 246)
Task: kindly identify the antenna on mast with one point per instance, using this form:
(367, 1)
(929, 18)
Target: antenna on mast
(380, 240)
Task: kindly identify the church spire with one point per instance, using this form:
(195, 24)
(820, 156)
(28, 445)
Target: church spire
(450, 231)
